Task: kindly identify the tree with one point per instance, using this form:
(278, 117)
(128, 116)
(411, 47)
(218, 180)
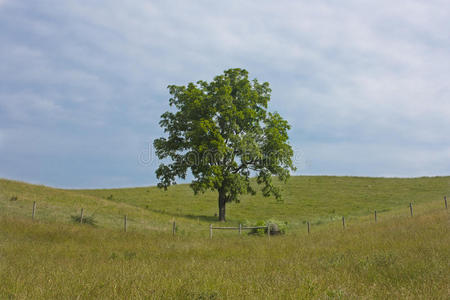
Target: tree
(222, 132)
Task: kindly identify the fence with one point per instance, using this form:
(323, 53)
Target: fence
(240, 228)
(82, 219)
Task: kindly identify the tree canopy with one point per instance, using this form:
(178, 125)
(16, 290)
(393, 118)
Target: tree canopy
(222, 132)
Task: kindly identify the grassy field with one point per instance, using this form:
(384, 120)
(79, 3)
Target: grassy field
(398, 257)
(318, 199)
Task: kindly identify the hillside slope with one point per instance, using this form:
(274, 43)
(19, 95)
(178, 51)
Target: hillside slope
(319, 199)
(398, 257)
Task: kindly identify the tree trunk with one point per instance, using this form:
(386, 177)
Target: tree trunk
(222, 202)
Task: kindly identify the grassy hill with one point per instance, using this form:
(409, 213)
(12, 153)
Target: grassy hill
(398, 257)
(318, 199)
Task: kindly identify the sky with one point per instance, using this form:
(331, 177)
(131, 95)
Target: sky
(365, 85)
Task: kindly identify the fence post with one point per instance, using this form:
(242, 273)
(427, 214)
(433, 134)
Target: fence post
(240, 229)
(210, 231)
(81, 216)
(174, 227)
(445, 200)
(34, 210)
(375, 216)
(343, 222)
(125, 223)
(308, 226)
(268, 230)
(410, 209)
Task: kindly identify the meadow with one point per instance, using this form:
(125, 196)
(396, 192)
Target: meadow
(397, 257)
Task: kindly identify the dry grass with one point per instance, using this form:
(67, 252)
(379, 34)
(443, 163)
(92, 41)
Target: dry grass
(401, 257)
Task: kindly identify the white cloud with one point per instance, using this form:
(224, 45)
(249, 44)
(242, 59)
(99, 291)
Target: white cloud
(360, 73)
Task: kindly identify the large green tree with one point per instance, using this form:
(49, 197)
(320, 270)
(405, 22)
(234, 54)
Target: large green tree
(221, 131)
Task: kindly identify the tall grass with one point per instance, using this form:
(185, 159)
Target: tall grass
(400, 257)
(397, 257)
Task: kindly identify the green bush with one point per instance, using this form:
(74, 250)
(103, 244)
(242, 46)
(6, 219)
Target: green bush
(276, 227)
(281, 226)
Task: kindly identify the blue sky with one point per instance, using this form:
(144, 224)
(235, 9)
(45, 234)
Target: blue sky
(364, 84)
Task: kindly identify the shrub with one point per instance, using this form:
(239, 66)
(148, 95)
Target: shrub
(276, 227)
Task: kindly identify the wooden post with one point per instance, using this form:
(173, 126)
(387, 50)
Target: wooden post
(375, 216)
(410, 209)
(34, 210)
(210, 231)
(125, 223)
(343, 222)
(174, 227)
(81, 216)
(445, 200)
(240, 229)
(308, 226)
(268, 230)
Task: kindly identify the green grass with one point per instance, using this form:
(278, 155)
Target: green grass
(401, 257)
(398, 257)
(318, 199)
